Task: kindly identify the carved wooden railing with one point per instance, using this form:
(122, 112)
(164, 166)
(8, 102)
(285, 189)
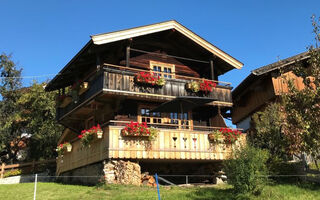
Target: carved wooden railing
(122, 80)
(170, 144)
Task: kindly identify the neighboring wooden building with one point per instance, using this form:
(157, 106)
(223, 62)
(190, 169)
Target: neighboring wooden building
(263, 86)
(109, 63)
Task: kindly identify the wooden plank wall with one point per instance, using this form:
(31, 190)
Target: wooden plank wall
(124, 81)
(280, 84)
(114, 146)
(143, 61)
(81, 156)
(256, 95)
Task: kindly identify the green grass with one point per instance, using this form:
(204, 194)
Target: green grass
(24, 191)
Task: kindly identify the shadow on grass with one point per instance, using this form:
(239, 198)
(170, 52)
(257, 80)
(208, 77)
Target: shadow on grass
(308, 186)
(212, 193)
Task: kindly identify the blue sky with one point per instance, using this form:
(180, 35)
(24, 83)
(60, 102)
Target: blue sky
(44, 35)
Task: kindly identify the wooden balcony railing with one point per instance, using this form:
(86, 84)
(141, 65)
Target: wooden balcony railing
(162, 74)
(170, 144)
(120, 79)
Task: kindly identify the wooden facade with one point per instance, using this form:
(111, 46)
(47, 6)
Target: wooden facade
(263, 86)
(109, 63)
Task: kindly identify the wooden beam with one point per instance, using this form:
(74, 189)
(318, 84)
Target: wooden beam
(98, 61)
(211, 69)
(128, 56)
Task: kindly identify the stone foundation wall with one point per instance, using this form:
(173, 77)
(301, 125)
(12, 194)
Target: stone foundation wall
(87, 175)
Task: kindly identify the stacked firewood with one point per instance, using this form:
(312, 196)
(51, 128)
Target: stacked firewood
(148, 180)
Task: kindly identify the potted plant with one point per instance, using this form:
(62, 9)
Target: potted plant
(215, 137)
(206, 86)
(149, 78)
(201, 86)
(62, 147)
(69, 146)
(224, 135)
(87, 136)
(230, 135)
(135, 129)
(99, 131)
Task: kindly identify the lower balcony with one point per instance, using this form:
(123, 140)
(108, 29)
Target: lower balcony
(170, 144)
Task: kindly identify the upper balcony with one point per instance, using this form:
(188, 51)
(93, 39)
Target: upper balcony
(121, 81)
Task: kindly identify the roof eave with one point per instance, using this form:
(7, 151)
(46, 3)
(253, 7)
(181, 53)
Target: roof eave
(149, 29)
(49, 85)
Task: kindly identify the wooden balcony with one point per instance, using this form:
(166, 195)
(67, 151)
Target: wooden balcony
(119, 81)
(170, 144)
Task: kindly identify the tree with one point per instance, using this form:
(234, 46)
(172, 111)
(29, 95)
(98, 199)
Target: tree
(28, 110)
(268, 133)
(302, 107)
(38, 113)
(9, 87)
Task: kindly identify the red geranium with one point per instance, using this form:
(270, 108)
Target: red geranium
(207, 86)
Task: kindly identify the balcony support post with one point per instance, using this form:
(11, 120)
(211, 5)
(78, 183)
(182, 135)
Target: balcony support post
(128, 56)
(211, 70)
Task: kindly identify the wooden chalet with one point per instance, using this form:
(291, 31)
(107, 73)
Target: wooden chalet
(106, 69)
(263, 86)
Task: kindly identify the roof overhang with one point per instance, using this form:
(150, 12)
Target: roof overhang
(101, 39)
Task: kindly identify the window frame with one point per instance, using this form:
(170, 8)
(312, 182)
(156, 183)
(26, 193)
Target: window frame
(163, 65)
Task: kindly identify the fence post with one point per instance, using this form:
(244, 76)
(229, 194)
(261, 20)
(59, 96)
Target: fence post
(187, 179)
(156, 175)
(35, 187)
(2, 170)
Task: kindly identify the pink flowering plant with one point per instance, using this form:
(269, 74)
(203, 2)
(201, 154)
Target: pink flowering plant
(139, 129)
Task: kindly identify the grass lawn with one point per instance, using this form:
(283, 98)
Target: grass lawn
(24, 191)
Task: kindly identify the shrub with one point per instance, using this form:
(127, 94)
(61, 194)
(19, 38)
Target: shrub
(15, 172)
(247, 170)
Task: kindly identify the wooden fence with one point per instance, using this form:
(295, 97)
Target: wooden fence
(32, 164)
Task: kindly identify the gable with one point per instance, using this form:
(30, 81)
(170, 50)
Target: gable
(154, 28)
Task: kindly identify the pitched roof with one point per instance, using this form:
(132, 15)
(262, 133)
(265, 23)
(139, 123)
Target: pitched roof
(268, 68)
(153, 28)
(280, 64)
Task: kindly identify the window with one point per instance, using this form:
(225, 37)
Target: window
(171, 120)
(181, 119)
(166, 70)
(147, 116)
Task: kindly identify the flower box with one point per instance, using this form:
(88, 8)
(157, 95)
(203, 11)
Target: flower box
(224, 135)
(62, 147)
(141, 130)
(205, 86)
(149, 78)
(69, 148)
(87, 136)
(99, 134)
